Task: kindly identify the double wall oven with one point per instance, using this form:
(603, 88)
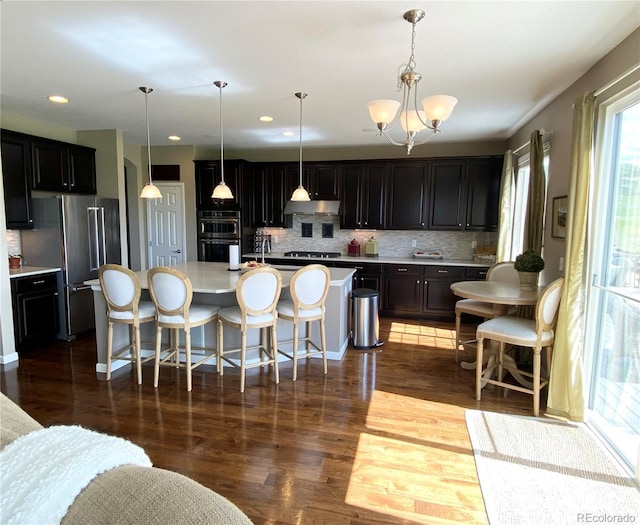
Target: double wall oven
(217, 230)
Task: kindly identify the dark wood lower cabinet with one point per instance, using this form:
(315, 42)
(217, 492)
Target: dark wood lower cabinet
(35, 308)
(420, 291)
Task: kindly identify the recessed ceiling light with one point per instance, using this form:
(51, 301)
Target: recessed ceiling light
(58, 99)
(174, 137)
(288, 134)
(265, 118)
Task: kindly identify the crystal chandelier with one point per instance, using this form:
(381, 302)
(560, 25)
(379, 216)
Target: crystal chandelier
(436, 109)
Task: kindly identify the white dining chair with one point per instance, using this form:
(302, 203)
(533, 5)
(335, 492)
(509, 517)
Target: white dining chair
(308, 289)
(257, 294)
(121, 289)
(537, 334)
(172, 293)
(503, 272)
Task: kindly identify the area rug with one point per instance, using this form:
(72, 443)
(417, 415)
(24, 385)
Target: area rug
(536, 470)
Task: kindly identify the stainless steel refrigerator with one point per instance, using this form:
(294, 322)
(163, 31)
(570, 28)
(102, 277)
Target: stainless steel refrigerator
(77, 233)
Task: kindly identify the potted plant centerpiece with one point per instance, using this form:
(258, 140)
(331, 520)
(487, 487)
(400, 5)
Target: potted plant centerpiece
(529, 265)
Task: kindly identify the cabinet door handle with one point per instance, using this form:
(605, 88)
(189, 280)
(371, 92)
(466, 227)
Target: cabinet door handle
(402, 269)
(418, 282)
(443, 271)
(38, 282)
(359, 267)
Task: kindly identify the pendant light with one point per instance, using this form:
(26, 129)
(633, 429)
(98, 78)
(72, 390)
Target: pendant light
(300, 194)
(150, 191)
(221, 191)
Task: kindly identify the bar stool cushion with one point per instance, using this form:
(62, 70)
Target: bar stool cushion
(197, 313)
(287, 308)
(146, 312)
(234, 315)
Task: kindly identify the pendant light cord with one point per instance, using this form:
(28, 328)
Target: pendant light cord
(301, 95)
(146, 109)
(221, 84)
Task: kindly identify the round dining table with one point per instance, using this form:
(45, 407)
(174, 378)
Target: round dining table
(501, 295)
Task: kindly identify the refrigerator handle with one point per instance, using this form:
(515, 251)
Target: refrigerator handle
(94, 241)
(102, 237)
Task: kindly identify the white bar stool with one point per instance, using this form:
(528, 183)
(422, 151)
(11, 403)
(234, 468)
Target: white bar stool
(257, 293)
(121, 290)
(172, 294)
(309, 288)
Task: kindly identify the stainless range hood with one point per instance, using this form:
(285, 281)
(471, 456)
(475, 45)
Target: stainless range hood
(312, 208)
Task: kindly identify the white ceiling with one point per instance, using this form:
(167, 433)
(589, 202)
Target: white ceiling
(503, 60)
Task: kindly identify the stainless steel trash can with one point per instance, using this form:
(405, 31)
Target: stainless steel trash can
(365, 328)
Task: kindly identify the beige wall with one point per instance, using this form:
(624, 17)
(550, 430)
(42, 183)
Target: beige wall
(557, 117)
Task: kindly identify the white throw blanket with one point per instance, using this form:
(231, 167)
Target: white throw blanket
(42, 472)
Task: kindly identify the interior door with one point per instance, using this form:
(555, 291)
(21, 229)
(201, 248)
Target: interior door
(166, 227)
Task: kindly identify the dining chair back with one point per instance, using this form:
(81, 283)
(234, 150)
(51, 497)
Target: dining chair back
(257, 294)
(537, 334)
(501, 272)
(308, 289)
(172, 294)
(121, 289)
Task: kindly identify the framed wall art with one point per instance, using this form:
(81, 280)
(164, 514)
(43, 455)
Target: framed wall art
(559, 217)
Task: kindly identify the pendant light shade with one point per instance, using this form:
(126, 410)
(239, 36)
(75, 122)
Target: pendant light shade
(221, 191)
(150, 191)
(300, 194)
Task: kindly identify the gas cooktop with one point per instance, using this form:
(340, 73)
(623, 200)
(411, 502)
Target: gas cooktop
(315, 255)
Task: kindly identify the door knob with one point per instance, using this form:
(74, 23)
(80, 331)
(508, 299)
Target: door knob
(177, 251)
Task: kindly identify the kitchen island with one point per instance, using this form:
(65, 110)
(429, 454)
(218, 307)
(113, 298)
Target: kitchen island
(214, 284)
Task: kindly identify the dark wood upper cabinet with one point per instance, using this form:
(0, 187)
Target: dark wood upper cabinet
(207, 175)
(323, 181)
(363, 192)
(407, 197)
(445, 194)
(447, 209)
(62, 167)
(16, 174)
(483, 193)
(272, 184)
(82, 169)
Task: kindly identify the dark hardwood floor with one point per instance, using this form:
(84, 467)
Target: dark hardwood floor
(380, 439)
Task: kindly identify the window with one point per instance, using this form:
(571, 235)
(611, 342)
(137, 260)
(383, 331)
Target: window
(612, 343)
(520, 200)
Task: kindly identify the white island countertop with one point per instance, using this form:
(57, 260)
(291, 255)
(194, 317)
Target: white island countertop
(215, 278)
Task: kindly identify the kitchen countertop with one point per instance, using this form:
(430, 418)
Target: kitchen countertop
(214, 278)
(25, 271)
(379, 260)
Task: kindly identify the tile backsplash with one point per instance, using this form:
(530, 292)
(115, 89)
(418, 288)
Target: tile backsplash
(391, 243)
